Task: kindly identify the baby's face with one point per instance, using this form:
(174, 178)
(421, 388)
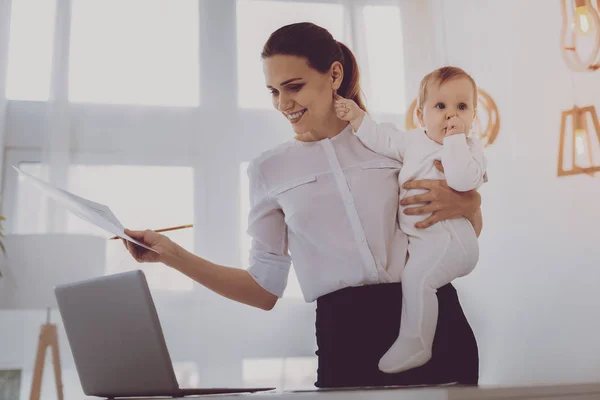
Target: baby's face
(453, 98)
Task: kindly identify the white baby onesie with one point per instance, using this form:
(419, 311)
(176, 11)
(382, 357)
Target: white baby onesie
(438, 254)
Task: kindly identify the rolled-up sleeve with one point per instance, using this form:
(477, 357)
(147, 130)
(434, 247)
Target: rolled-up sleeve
(269, 258)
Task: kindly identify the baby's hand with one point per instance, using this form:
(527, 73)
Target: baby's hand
(455, 126)
(348, 110)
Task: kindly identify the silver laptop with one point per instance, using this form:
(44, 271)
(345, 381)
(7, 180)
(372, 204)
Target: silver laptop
(117, 341)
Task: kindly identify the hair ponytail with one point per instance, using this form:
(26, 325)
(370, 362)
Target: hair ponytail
(350, 87)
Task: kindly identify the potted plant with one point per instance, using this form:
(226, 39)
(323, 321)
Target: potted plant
(2, 240)
(2, 235)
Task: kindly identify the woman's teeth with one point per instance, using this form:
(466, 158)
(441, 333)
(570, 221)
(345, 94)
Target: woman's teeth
(297, 115)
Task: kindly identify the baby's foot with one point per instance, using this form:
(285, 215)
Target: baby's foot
(404, 354)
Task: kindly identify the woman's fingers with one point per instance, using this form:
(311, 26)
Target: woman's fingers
(440, 200)
(131, 249)
(429, 208)
(137, 252)
(428, 222)
(423, 184)
(137, 235)
(434, 218)
(416, 199)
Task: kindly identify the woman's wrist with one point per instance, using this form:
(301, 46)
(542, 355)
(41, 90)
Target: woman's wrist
(473, 211)
(472, 204)
(174, 256)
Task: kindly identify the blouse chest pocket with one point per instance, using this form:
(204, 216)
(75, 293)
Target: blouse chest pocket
(295, 195)
(381, 164)
(379, 177)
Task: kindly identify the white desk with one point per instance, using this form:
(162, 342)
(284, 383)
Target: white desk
(587, 391)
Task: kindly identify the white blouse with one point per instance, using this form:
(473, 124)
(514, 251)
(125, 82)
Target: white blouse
(332, 205)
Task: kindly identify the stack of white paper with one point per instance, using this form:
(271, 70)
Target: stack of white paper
(95, 213)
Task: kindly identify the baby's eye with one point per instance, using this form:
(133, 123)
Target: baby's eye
(462, 106)
(440, 106)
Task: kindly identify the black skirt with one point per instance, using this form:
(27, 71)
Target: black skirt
(355, 326)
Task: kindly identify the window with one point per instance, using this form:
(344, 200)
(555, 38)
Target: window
(283, 373)
(30, 49)
(143, 52)
(30, 198)
(187, 374)
(292, 289)
(256, 20)
(383, 34)
(131, 193)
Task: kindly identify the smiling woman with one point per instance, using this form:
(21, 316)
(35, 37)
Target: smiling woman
(300, 78)
(230, 85)
(311, 201)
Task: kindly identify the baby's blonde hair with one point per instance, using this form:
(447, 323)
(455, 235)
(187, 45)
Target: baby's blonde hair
(442, 75)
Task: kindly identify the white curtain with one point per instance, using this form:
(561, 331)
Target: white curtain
(57, 122)
(4, 37)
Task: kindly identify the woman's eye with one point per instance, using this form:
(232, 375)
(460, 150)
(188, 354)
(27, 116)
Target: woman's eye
(295, 88)
(274, 92)
(440, 106)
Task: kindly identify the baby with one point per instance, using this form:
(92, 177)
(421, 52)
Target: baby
(447, 250)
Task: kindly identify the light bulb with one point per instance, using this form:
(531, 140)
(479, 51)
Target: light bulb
(580, 139)
(582, 20)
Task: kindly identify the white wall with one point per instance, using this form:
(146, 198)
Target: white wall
(533, 300)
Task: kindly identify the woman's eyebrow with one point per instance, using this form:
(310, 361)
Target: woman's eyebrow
(285, 82)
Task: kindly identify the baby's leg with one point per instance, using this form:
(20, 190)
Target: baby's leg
(433, 263)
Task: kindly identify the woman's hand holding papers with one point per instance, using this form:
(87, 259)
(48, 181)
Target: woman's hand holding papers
(163, 245)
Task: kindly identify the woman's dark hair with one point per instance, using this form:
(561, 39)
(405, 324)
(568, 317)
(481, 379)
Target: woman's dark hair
(305, 39)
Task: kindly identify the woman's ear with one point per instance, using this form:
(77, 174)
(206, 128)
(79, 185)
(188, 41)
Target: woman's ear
(337, 75)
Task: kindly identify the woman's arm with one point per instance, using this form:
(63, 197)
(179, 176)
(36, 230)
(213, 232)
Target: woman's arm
(233, 283)
(477, 221)
(265, 280)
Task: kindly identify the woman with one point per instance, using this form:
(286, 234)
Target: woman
(332, 204)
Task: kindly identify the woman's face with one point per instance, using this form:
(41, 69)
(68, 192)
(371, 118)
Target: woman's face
(302, 94)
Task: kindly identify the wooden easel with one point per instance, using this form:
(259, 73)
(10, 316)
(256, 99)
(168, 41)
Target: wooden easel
(48, 338)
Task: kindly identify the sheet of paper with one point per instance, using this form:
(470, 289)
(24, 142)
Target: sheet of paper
(94, 213)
